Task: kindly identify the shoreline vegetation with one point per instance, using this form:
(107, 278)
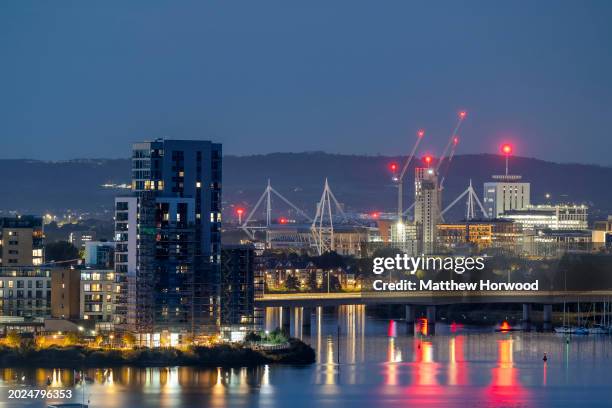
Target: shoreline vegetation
(293, 351)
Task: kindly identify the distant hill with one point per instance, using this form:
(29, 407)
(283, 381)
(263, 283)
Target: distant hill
(361, 183)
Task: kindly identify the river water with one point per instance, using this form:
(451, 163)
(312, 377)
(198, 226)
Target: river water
(378, 363)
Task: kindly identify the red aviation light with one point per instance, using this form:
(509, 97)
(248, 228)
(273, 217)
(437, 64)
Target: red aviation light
(375, 215)
(421, 133)
(283, 220)
(506, 149)
(462, 114)
(239, 211)
(427, 160)
(456, 140)
(393, 167)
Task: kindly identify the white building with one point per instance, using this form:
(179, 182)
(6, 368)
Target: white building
(505, 195)
(554, 217)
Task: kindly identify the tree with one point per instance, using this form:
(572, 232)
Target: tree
(334, 283)
(129, 340)
(311, 282)
(252, 337)
(99, 340)
(41, 341)
(292, 283)
(13, 339)
(71, 338)
(60, 251)
(329, 260)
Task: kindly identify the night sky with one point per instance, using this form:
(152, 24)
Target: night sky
(85, 79)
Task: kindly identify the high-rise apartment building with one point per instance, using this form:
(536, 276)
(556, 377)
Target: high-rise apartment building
(168, 239)
(427, 207)
(21, 241)
(238, 288)
(505, 194)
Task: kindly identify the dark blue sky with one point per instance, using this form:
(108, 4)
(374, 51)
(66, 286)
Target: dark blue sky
(85, 79)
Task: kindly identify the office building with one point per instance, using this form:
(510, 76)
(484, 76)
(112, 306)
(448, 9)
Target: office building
(481, 233)
(427, 207)
(168, 240)
(504, 194)
(21, 241)
(554, 217)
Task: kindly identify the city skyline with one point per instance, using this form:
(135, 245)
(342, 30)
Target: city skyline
(270, 77)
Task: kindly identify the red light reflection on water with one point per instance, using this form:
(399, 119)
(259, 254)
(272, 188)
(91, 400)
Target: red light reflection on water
(392, 329)
(505, 387)
(456, 327)
(457, 367)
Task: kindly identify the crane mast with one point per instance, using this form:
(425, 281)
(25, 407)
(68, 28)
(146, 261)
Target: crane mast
(452, 140)
(400, 179)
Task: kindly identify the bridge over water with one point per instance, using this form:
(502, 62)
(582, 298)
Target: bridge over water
(303, 304)
(428, 298)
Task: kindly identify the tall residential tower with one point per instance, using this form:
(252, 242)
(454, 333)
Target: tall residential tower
(168, 233)
(427, 207)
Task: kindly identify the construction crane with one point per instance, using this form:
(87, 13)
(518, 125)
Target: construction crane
(400, 179)
(448, 162)
(452, 141)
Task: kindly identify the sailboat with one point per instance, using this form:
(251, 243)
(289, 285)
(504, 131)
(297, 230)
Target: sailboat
(567, 329)
(598, 328)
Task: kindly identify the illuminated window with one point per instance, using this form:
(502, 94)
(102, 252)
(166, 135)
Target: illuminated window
(198, 184)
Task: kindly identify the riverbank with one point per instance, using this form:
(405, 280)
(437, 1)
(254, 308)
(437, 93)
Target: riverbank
(224, 355)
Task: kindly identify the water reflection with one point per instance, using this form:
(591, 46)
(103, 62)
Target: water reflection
(360, 364)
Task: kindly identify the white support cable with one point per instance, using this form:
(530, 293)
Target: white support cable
(289, 203)
(322, 227)
(472, 196)
(267, 196)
